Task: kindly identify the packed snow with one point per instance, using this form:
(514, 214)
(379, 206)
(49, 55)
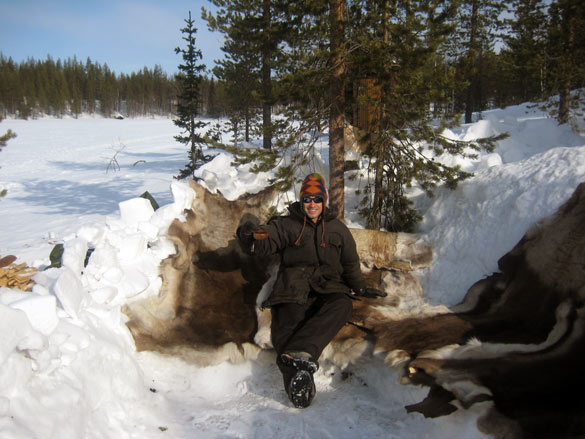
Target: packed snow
(68, 365)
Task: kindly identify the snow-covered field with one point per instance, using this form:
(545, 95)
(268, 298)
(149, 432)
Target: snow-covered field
(68, 367)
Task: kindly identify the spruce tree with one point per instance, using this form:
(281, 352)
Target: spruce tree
(239, 70)
(478, 25)
(526, 49)
(254, 32)
(189, 101)
(405, 81)
(3, 139)
(566, 39)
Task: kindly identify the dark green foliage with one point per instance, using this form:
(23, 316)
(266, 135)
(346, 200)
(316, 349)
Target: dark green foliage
(255, 32)
(55, 256)
(33, 88)
(4, 138)
(526, 51)
(87, 256)
(405, 89)
(239, 70)
(150, 198)
(566, 39)
(189, 102)
(398, 47)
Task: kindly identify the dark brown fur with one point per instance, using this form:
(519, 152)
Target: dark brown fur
(530, 320)
(516, 341)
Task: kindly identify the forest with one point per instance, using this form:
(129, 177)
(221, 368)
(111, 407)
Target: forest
(70, 87)
(399, 71)
(531, 55)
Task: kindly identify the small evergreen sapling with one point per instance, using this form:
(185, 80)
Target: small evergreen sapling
(189, 102)
(4, 138)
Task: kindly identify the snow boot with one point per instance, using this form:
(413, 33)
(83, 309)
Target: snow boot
(300, 361)
(301, 389)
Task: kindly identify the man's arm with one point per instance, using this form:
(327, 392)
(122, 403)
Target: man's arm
(259, 240)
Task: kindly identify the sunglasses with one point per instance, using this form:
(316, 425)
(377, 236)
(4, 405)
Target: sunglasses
(307, 199)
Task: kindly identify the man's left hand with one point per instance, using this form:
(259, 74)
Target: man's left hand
(370, 293)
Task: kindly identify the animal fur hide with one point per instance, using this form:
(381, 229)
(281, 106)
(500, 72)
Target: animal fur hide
(524, 347)
(207, 308)
(514, 341)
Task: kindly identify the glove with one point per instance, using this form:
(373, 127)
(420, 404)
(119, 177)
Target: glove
(370, 293)
(245, 234)
(250, 231)
(245, 231)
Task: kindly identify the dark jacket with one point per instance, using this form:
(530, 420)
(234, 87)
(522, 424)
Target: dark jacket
(324, 262)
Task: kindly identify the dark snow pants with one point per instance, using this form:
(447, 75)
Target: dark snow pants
(308, 327)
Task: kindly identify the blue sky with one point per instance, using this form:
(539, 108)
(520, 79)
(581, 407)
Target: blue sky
(124, 34)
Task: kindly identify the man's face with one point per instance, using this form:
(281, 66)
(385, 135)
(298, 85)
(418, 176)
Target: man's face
(313, 206)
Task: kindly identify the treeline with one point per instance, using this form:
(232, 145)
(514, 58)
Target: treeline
(71, 87)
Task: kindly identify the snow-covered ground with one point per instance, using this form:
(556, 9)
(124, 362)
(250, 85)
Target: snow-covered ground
(68, 367)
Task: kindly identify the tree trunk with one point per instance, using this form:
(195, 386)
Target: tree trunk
(247, 125)
(266, 80)
(568, 26)
(375, 218)
(564, 100)
(337, 102)
(469, 102)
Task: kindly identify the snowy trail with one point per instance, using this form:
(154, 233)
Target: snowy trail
(248, 401)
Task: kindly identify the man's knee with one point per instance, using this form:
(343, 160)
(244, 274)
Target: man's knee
(340, 304)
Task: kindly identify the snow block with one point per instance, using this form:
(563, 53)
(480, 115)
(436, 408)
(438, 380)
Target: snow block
(104, 295)
(92, 235)
(183, 195)
(135, 211)
(14, 327)
(134, 246)
(135, 282)
(41, 312)
(74, 255)
(69, 291)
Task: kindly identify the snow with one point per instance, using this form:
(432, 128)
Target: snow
(68, 364)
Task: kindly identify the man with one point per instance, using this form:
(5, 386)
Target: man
(311, 299)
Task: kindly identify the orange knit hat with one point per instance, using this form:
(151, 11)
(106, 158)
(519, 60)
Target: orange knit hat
(314, 184)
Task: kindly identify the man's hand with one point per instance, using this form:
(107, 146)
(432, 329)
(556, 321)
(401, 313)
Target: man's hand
(370, 293)
(245, 231)
(249, 231)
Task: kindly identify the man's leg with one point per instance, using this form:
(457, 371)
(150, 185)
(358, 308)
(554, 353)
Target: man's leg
(287, 318)
(299, 335)
(325, 318)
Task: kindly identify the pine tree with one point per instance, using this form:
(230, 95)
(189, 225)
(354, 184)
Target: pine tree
(239, 70)
(526, 49)
(397, 59)
(254, 32)
(189, 102)
(567, 48)
(4, 138)
(478, 25)
(90, 85)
